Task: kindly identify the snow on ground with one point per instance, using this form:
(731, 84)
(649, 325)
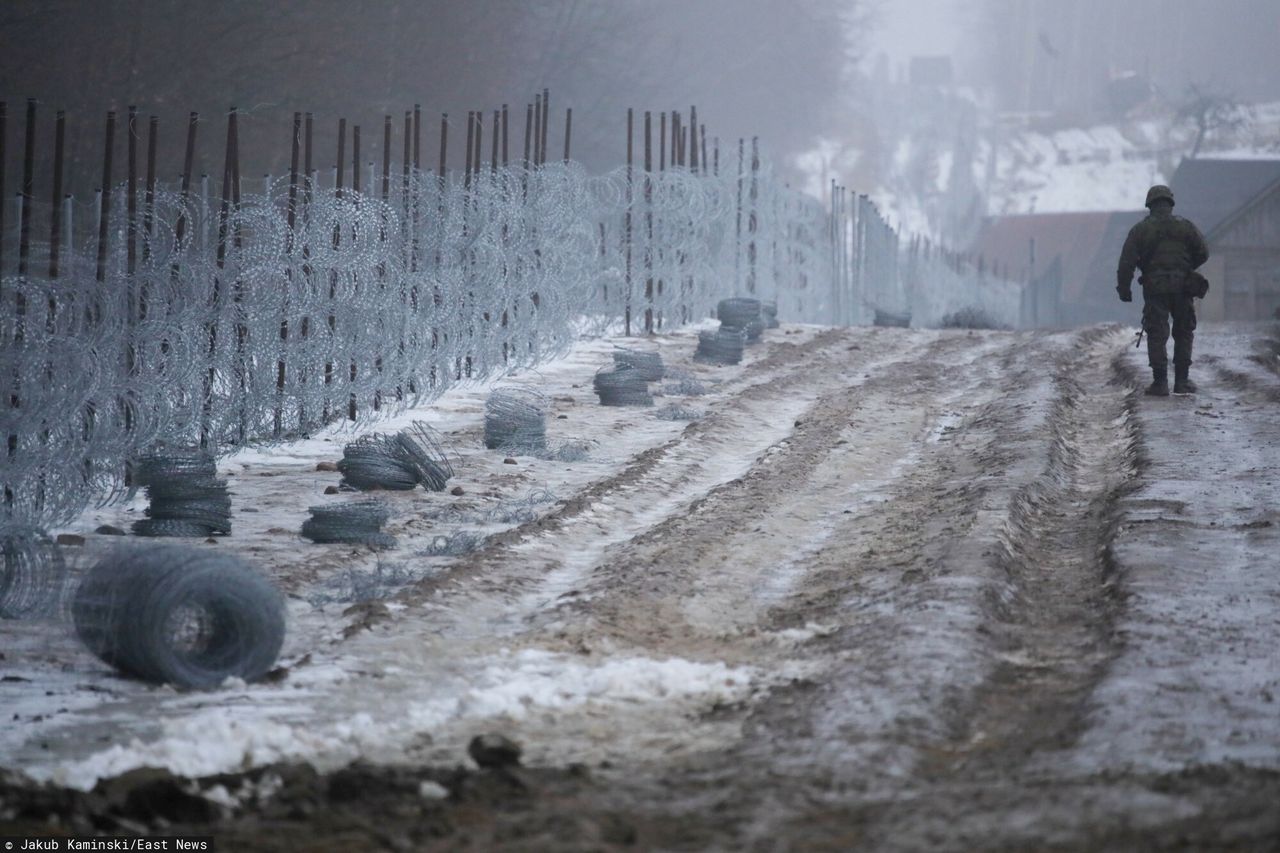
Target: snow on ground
(234, 735)
(272, 488)
(930, 584)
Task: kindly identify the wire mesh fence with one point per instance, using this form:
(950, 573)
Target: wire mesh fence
(171, 315)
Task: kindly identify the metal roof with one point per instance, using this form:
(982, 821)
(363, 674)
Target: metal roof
(1210, 191)
(1088, 245)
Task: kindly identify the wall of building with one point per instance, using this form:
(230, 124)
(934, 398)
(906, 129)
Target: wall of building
(1212, 307)
(1248, 249)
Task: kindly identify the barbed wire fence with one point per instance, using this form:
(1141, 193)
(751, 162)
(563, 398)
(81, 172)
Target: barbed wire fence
(167, 315)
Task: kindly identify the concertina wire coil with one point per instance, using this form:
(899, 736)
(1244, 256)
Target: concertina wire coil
(363, 308)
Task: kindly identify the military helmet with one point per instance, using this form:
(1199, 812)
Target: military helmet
(1159, 191)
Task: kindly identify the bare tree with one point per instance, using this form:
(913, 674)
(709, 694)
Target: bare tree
(1210, 112)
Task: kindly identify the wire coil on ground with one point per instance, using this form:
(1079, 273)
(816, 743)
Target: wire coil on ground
(397, 462)
(684, 385)
(769, 310)
(738, 311)
(648, 365)
(186, 497)
(515, 420)
(722, 346)
(170, 614)
(353, 523)
(622, 387)
(32, 573)
(677, 412)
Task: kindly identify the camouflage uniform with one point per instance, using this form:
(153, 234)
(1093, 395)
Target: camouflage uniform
(1166, 248)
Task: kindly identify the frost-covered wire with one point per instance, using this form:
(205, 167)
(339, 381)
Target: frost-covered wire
(622, 387)
(186, 497)
(515, 420)
(677, 412)
(453, 544)
(646, 364)
(724, 345)
(353, 522)
(399, 462)
(178, 615)
(33, 574)
(683, 385)
(359, 309)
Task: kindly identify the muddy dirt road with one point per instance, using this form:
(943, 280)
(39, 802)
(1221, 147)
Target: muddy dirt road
(895, 590)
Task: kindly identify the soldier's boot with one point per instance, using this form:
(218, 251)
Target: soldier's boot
(1159, 386)
(1181, 383)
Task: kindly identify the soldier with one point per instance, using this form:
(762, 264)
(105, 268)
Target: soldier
(1167, 249)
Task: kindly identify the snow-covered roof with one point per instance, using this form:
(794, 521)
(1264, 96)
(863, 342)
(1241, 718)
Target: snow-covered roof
(1209, 191)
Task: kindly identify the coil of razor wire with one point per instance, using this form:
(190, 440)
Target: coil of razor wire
(622, 387)
(400, 462)
(354, 523)
(33, 574)
(178, 615)
(738, 311)
(769, 310)
(684, 385)
(724, 345)
(455, 544)
(186, 497)
(647, 365)
(360, 308)
(515, 420)
(424, 447)
(677, 412)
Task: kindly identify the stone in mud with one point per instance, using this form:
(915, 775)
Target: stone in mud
(494, 750)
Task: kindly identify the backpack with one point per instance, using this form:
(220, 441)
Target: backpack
(1194, 283)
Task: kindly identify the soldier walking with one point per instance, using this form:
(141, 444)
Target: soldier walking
(1167, 249)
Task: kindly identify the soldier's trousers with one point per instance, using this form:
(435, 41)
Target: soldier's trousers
(1157, 309)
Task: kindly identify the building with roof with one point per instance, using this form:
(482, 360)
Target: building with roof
(1236, 203)
(1068, 259)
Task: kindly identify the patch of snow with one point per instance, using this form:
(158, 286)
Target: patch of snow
(507, 687)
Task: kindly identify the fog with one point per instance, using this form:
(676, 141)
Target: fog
(789, 71)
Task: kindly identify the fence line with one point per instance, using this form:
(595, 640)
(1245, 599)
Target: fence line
(179, 318)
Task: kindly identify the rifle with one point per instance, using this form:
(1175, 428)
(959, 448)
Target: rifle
(1141, 332)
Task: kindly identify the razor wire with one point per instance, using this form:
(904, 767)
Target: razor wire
(400, 462)
(945, 289)
(303, 306)
(622, 386)
(351, 523)
(182, 616)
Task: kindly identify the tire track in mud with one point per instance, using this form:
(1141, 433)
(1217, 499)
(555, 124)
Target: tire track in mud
(1048, 625)
(928, 469)
(972, 616)
(704, 581)
(528, 562)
